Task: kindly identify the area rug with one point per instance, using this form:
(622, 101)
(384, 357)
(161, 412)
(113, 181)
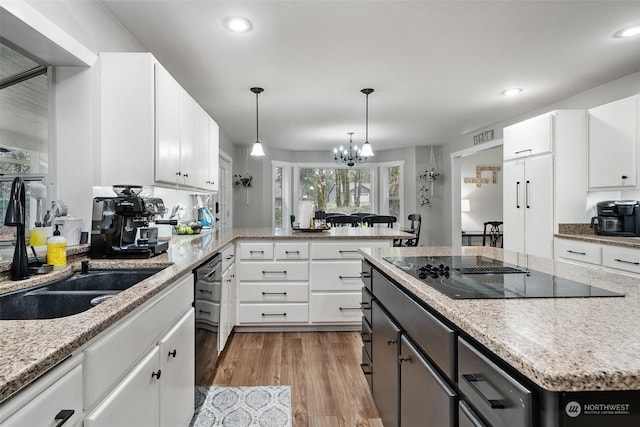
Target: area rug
(268, 406)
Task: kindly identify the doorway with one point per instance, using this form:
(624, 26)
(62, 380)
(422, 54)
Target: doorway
(223, 209)
(460, 161)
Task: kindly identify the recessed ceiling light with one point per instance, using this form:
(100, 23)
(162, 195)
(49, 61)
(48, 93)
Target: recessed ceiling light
(627, 32)
(512, 92)
(237, 24)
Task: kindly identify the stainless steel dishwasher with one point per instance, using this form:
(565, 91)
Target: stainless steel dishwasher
(208, 286)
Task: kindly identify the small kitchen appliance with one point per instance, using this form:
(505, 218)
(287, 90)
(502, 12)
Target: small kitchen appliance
(480, 277)
(120, 225)
(617, 218)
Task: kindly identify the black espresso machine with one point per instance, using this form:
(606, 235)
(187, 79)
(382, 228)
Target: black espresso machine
(617, 218)
(120, 225)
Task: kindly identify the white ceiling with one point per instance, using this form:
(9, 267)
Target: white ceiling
(437, 67)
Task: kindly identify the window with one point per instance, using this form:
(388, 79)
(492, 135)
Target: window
(337, 189)
(277, 196)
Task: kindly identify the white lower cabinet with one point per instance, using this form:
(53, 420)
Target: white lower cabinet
(615, 258)
(135, 401)
(341, 307)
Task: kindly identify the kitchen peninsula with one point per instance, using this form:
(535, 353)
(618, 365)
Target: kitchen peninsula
(30, 348)
(532, 358)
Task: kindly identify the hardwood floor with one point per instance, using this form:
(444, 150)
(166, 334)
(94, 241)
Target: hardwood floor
(323, 369)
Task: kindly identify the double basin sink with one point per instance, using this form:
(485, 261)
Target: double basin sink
(70, 295)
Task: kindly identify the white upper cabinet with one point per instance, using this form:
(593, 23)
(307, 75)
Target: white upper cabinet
(528, 138)
(214, 153)
(613, 144)
(167, 126)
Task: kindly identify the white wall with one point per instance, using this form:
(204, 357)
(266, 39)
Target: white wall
(485, 200)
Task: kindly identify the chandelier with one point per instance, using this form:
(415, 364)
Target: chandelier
(353, 155)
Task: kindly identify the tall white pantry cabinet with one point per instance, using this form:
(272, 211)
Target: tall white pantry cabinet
(545, 179)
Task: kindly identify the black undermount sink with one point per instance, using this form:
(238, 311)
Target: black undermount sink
(69, 295)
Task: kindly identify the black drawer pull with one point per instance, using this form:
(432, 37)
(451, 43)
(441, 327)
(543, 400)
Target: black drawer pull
(365, 306)
(274, 293)
(63, 416)
(576, 252)
(156, 374)
(522, 151)
(229, 257)
(274, 314)
(390, 341)
(366, 369)
(256, 252)
(472, 379)
(203, 311)
(348, 252)
(626, 262)
(204, 291)
(292, 252)
(274, 272)
(349, 308)
(365, 275)
(349, 277)
(173, 353)
(404, 359)
(366, 336)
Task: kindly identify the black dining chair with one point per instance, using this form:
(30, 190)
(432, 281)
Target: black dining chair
(292, 218)
(493, 235)
(370, 220)
(343, 220)
(416, 225)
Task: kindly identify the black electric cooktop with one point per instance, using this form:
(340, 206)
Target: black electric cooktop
(479, 277)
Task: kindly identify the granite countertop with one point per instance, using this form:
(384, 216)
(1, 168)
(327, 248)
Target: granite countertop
(30, 348)
(584, 233)
(561, 344)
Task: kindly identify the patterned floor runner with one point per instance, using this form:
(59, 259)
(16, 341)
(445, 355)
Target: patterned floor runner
(268, 406)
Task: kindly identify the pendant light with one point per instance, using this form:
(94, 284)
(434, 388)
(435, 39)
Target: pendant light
(366, 151)
(257, 146)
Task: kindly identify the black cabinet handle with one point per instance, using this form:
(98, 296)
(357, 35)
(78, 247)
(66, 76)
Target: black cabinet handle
(365, 275)
(156, 374)
(365, 306)
(274, 272)
(348, 252)
(349, 308)
(526, 194)
(63, 416)
(274, 293)
(366, 336)
(292, 252)
(274, 314)
(624, 177)
(390, 341)
(349, 277)
(230, 256)
(517, 194)
(472, 379)
(404, 359)
(173, 353)
(576, 252)
(522, 151)
(627, 262)
(256, 252)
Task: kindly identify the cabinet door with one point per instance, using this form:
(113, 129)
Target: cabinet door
(167, 126)
(613, 144)
(225, 308)
(135, 401)
(423, 394)
(530, 137)
(214, 155)
(538, 206)
(187, 139)
(201, 149)
(385, 351)
(177, 364)
(513, 205)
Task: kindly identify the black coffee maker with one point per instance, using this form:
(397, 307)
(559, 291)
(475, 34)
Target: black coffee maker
(120, 225)
(617, 218)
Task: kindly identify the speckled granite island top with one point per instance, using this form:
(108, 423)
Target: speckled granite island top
(30, 348)
(561, 344)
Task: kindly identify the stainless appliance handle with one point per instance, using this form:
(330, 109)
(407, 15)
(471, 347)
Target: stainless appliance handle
(526, 194)
(517, 194)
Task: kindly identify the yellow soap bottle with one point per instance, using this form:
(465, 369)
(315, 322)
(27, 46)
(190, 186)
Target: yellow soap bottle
(57, 249)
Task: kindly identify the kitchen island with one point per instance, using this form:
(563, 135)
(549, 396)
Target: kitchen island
(559, 346)
(30, 348)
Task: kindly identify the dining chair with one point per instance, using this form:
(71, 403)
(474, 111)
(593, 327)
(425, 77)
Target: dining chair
(342, 220)
(493, 235)
(416, 225)
(370, 220)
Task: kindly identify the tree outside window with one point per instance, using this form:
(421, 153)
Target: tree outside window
(337, 189)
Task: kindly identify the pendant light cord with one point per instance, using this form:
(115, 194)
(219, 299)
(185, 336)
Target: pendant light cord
(366, 121)
(257, 116)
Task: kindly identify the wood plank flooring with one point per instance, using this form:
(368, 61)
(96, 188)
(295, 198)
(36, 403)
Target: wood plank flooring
(323, 369)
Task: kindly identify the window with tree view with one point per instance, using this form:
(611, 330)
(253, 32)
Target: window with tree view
(336, 189)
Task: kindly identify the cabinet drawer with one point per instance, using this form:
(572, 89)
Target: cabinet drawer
(496, 395)
(274, 292)
(367, 368)
(228, 256)
(209, 291)
(335, 307)
(344, 249)
(621, 259)
(367, 299)
(105, 362)
(366, 333)
(274, 271)
(256, 250)
(468, 418)
(207, 311)
(335, 276)
(366, 274)
(274, 313)
(291, 250)
(434, 337)
(578, 251)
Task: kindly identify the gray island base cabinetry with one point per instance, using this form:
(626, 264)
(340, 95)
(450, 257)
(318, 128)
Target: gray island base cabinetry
(435, 361)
